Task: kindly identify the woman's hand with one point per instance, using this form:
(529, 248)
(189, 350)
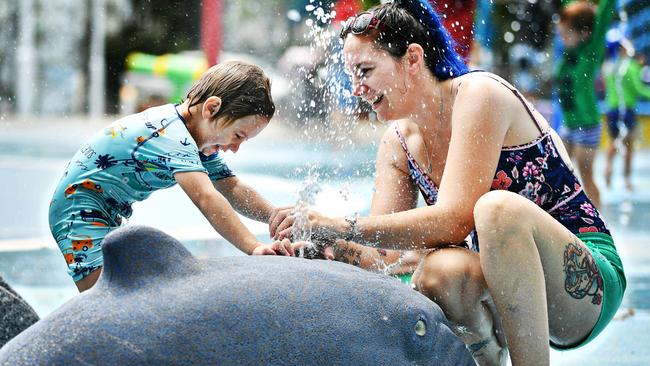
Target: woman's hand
(277, 216)
(322, 227)
(279, 247)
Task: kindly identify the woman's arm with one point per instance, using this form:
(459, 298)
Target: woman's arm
(245, 199)
(479, 123)
(394, 192)
(217, 210)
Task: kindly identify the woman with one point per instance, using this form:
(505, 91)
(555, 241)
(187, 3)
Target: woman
(547, 268)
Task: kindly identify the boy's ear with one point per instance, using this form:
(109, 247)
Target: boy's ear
(211, 106)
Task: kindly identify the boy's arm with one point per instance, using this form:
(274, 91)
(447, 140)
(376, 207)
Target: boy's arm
(217, 210)
(245, 199)
(602, 21)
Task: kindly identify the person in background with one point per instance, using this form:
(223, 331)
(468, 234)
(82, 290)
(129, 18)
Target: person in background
(582, 29)
(624, 87)
(157, 148)
(542, 266)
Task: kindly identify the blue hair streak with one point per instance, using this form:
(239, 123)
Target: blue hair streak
(448, 63)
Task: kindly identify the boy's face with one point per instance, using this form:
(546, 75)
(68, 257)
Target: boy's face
(225, 138)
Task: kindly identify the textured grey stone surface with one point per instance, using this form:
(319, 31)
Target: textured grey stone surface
(156, 304)
(15, 314)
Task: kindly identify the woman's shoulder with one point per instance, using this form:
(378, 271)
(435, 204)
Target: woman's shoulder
(488, 101)
(395, 139)
(478, 81)
(487, 88)
(400, 132)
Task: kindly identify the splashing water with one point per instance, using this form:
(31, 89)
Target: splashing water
(301, 230)
(324, 108)
(323, 103)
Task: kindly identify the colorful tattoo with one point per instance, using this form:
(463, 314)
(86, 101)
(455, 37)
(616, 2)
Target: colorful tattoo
(582, 277)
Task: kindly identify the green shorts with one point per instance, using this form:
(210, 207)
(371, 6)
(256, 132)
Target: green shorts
(405, 278)
(611, 270)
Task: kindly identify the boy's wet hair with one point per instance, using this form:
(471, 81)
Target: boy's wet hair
(406, 22)
(244, 90)
(579, 16)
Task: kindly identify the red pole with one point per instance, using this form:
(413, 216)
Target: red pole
(212, 29)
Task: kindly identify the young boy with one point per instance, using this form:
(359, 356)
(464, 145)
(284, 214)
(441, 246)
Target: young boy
(624, 86)
(157, 148)
(582, 29)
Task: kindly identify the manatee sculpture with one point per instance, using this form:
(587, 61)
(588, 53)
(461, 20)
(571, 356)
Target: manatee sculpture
(15, 313)
(156, 304)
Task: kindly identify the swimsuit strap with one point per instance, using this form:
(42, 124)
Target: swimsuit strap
(515, 92)
(414, 162)
(401, 138)
(410, 157)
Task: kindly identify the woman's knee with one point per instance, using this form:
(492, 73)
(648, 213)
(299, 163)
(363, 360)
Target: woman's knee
(444, 278)
(498, 210)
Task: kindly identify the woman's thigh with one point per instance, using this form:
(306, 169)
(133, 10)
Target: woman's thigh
(573, 285)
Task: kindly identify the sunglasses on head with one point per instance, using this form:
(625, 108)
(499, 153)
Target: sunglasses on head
(359, 24)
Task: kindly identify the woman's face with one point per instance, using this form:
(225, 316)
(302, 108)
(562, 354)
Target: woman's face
(376, 77)
(214, 136)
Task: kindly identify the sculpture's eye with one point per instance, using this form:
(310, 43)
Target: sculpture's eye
(420, 328)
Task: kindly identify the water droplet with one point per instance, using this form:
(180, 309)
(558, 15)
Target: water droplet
(294, 15)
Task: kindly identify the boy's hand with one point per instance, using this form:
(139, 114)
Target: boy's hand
(283, 247)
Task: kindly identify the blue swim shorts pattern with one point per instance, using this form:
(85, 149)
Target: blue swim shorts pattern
(587, 136)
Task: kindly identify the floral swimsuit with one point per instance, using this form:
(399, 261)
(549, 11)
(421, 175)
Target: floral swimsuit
(534, 170)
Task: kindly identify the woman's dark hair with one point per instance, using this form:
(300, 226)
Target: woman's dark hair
(413, 21)
(244, 90)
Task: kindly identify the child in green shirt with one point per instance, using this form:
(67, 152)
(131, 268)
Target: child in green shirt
(582, 29)
(623, 89)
